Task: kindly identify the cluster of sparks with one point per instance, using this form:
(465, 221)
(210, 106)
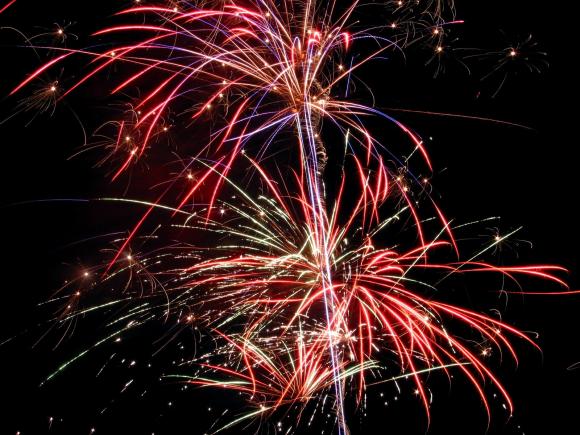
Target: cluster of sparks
(300, 279)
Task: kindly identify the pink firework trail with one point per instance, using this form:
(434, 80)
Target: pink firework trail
(304, 291)
(5, 6)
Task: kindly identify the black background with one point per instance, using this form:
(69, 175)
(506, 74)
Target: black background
(528, 177)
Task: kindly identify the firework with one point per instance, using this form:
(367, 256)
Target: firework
(310, 291)
(259, 292)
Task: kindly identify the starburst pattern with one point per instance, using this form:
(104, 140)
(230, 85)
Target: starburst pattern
(307, 289)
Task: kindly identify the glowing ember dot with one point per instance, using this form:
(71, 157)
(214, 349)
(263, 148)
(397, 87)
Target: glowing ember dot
(165, 129)
(341, 67)
(267, 14)
(60, 32)
(221, 95)
(222, 211)
(127, 138)
(208, 106)
(113, 54)
(133, 152)
(436, 32)
(52, 88)
(393, 25)
(513, 53)
(416, 392)
(425, 180)
(77, 293)
(497, 238)
(129, 257)
(439, 49)
(86, 274)
(400, 3)
(190, 176)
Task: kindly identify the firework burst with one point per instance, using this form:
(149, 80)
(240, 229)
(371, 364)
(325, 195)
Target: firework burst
(306, 288)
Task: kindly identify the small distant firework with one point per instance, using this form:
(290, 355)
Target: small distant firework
(524, 56)
(306, 288)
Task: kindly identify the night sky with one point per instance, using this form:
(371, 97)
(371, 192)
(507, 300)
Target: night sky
(527, 176)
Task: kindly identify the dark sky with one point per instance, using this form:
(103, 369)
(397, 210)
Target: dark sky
(526, 176)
